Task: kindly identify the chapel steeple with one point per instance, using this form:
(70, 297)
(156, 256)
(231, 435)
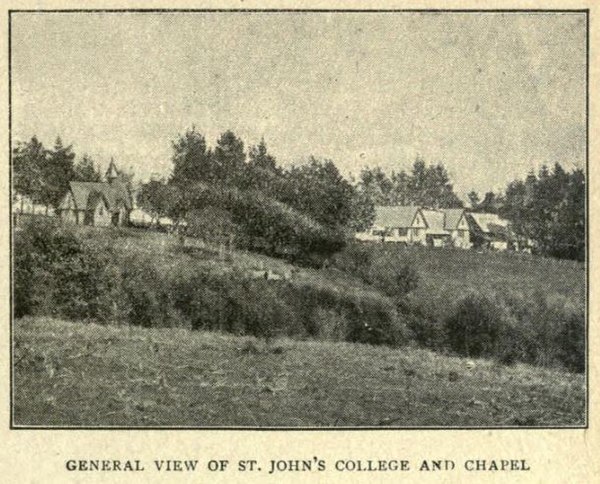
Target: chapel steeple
(112, 173)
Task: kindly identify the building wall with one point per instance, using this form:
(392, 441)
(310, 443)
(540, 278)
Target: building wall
(499, 245)
(418, 230)
(368, 236)
(461, 238)
(69, 216)
(398, 235)
(102, 216)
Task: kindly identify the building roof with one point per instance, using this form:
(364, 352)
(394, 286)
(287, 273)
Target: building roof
(113, 193)
(489, 222)
(112, 171)
(453, 216)
(435, 221)
(397, 216)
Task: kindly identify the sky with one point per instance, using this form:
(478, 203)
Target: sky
(491, 96)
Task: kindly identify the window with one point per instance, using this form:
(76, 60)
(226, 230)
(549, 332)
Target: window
(402, 232)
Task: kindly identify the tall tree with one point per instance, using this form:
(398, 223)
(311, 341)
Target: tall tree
(418, 185)
(319, 190)
(229, 159)
(399, 194)
(261, 171)
(28, 160)
(490, 204)
(474, 199)
(549, 209)
(85, 170)
(192, 162)
(57, 173)
(376, 185)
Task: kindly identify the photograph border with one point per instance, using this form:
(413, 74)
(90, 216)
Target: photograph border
(126, 11)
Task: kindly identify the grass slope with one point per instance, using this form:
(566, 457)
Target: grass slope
(446, 275)
(73, 374)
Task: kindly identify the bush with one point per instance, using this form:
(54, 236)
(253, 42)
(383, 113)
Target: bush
(393, 275)
(356, 260)
(396, 280)
(56, 274)
(571, 340)
(541, 330)
(145, 297)
(374, 320)
(474, 327)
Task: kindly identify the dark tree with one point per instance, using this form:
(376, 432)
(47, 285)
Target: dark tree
(229, 159)
(376, 185)
(319, 190)
(192, 162)
(86, 171)
(549, 209)
(261, 170)
(490, 204)
(57, 172)
(28, 161)
(474, 199)
(155, 198)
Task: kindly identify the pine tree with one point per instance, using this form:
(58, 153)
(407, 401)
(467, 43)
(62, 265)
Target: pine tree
(86, 171)
(57, 172)
(192, 162)
(28, 161)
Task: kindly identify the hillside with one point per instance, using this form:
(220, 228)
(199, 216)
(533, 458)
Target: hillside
(446, 275)
(72, 374)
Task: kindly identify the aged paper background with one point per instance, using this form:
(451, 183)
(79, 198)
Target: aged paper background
(554, 455)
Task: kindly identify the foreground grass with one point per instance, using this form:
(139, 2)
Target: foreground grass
(74, 374)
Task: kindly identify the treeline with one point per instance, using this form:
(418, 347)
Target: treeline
(298, 211)
(427, 186)
(547, 209)
(43, 174)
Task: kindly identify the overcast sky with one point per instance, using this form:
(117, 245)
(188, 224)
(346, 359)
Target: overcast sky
(491, 96)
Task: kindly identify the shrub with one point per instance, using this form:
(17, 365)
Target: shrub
(374, 320)
(424, 328)
(396, 280)
(571, 340)
(474, 326)
(56, 274)
(355, 259)
(145, 298)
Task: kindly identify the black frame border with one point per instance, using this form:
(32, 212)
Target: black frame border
(586, 12)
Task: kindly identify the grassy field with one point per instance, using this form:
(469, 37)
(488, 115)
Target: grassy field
(73, 374)
(446, 275)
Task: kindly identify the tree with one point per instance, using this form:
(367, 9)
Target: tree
(229, 159)
(417, 185)
(376, 185)
(362, 212)
(399, 194)
(550, 210)
(57, 172)
(28, 160)
(260, 158)
(261, 170)
(86, 171)
(192, 162)
(490, 203)
(319, 190)
(474, 199)
(153, 197)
